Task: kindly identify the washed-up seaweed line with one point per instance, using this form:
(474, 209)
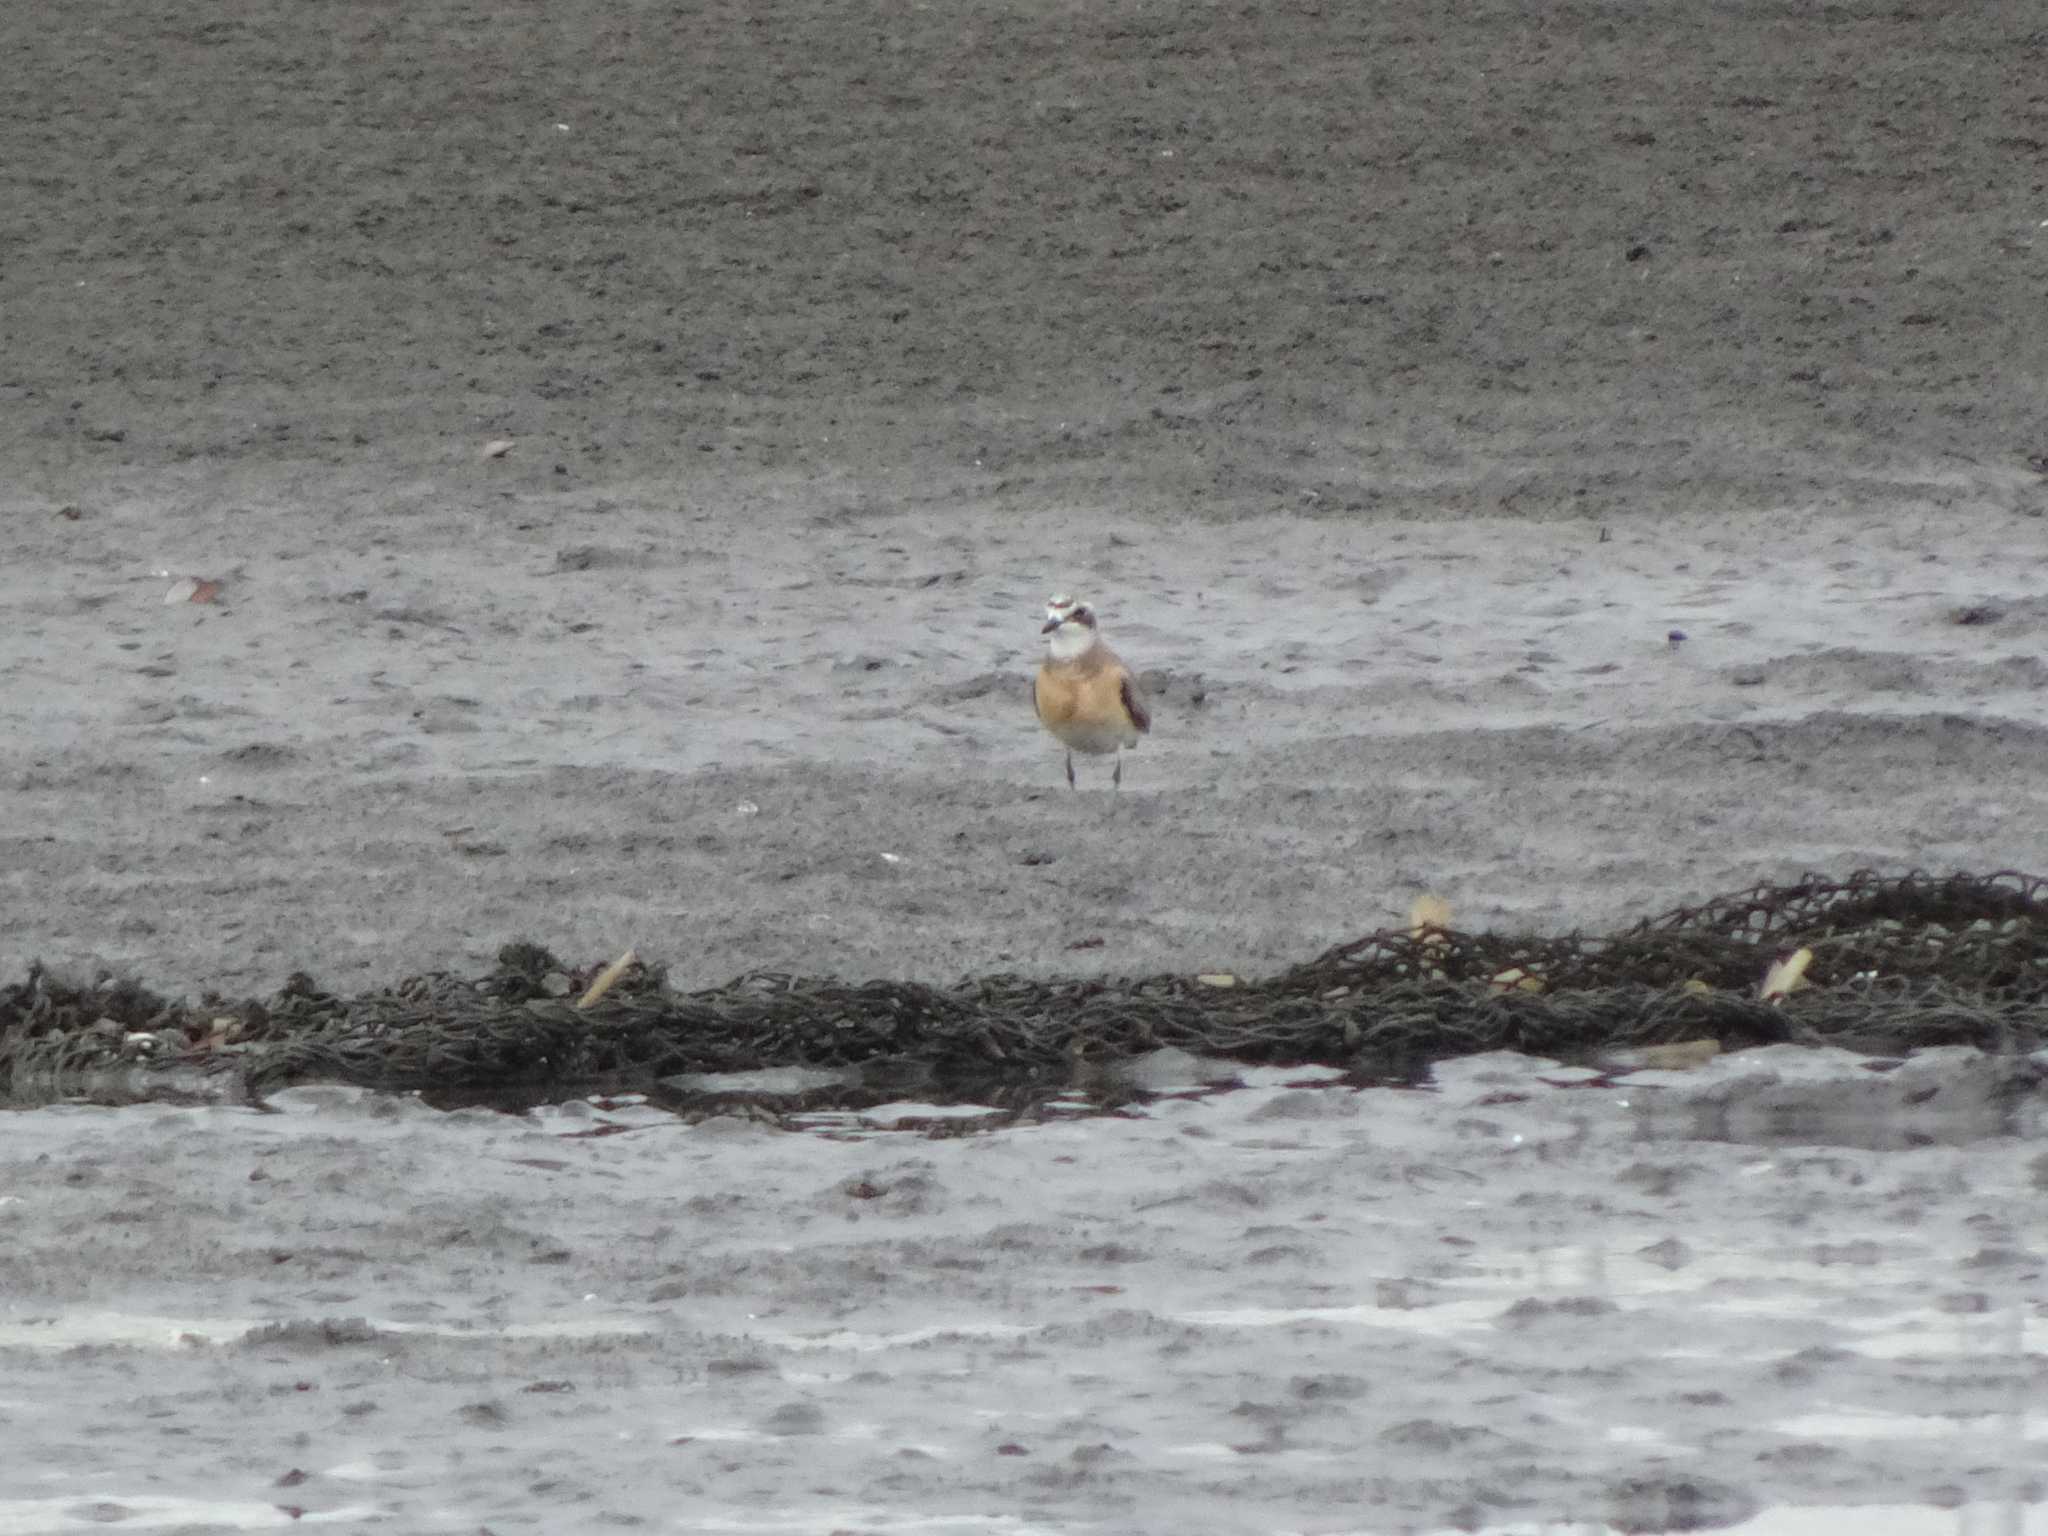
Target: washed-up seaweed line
(1897, 962)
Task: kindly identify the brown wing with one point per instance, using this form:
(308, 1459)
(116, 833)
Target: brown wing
(1134, 706)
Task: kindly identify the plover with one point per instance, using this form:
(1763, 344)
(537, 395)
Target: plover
(1085, 696)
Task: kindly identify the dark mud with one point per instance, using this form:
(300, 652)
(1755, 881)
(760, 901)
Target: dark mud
(1397, 379)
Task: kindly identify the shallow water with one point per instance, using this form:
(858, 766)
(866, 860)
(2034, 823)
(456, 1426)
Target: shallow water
(51, 1517)
(46, 1517)
(2001, 1519)
(1296, 1304)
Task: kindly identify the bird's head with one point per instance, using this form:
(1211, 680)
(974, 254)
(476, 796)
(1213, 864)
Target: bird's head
(1062, 610)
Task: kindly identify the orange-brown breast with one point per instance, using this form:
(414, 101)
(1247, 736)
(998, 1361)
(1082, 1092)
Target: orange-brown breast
(1083, 702)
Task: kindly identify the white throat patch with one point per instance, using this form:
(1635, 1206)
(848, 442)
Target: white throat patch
(1069, 642)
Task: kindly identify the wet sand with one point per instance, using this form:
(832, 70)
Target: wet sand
(1296, 1306)
(1397, 382)
(737, 747)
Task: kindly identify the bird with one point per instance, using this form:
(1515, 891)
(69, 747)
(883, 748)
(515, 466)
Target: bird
(1083, 693)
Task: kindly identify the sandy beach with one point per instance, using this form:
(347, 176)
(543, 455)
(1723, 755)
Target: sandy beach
(594, 475)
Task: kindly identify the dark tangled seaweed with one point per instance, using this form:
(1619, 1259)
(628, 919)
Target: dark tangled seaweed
(1898, 962)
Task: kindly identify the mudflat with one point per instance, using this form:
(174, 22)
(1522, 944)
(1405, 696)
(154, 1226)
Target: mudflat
(593, 474)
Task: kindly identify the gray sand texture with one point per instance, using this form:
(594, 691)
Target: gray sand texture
(1784, 1294)
(592, 473)
(1781, 1294)
(392, 743)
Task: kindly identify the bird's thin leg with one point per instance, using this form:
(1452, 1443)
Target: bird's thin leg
(1070, 772)
(1116, 779)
